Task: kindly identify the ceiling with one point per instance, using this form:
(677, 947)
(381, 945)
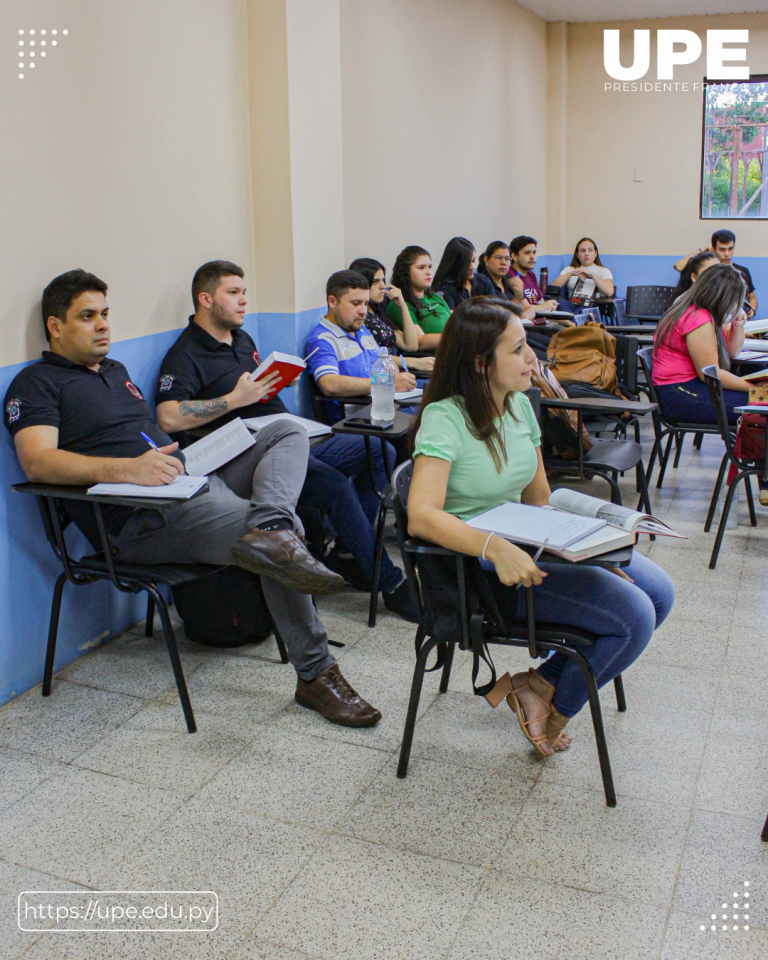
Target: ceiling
(597, 11)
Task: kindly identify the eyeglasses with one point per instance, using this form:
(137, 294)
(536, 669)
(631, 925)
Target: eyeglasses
(502, 259)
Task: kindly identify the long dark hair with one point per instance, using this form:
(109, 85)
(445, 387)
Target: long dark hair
(720, 291)
(576, 262)
(368, 268)
(482, 266)
(693, 266)
(454, 264)
(401, 277)
(471, 333)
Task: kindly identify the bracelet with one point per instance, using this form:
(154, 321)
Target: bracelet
(488, 540)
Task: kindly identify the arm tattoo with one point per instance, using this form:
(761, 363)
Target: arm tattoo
(200, 409)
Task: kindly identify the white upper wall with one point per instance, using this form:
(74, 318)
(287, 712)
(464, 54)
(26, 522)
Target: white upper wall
(611, 134)
(444, 114)
(125, 152)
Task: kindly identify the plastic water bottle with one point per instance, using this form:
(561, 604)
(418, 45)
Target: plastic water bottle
(383, 387)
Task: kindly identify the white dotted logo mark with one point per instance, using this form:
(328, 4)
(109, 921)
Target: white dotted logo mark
(735, 906)
(32, 43)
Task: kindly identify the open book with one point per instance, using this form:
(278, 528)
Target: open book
(755, 326)
(313, 428)
(756, 346)
(218, 448)
(632, 521)
(756, 376)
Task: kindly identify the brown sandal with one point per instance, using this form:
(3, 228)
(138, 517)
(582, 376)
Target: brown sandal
(515, 705)
(556, 724)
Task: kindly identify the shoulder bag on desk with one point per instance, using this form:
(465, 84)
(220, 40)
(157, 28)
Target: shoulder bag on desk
(562, 425)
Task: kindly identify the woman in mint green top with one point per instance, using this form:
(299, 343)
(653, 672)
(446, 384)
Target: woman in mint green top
(412, 274)
(477, 446)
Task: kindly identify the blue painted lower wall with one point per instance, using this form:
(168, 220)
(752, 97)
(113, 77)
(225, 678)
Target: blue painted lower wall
(631, 271)
(100, 612)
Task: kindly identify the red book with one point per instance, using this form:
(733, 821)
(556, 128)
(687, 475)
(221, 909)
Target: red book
(289, 368)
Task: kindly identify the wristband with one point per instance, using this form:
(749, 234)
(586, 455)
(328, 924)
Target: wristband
(488, 540)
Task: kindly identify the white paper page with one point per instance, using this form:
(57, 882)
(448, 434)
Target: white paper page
(587, 506)
(313, 428)
(755, 326)
(609, 538)
(218, 448)
(182, 488)
(756, 346)
(409, 394)
(522, 523)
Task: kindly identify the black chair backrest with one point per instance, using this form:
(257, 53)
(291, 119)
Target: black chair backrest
(534, 395)
(715, 389)
(649, 301)
(619, 314)
(626, 363)
(645, 356)
(318, 401)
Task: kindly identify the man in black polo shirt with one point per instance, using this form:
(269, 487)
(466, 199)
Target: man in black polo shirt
(723, 245)
(205, 378)
(76, 418)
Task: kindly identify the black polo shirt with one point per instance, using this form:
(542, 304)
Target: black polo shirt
(200, 367)
(98, 413)
(482, 286)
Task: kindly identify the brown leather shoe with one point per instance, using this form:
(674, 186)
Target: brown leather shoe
(332, 696)
(282, 556)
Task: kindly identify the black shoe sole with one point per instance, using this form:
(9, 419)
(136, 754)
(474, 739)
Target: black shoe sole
(293, 577)
(349, 722)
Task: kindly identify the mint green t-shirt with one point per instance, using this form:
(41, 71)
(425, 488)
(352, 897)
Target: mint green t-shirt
(474, 484)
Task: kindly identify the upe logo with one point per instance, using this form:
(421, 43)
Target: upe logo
(688, 50)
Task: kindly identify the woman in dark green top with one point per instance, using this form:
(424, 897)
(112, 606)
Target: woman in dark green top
(412, 274)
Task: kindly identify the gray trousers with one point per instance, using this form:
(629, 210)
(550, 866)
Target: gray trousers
(260, 485)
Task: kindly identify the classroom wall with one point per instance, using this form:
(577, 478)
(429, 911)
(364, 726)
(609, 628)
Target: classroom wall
(438, 97)
(642, 226)
(124, 151)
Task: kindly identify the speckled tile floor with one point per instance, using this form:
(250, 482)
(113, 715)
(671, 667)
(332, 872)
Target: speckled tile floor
(316, 849)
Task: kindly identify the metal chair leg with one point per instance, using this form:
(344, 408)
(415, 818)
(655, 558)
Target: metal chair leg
(764, 834)
(716, 494)
(750, 501)
(53, 630)
(445, 676)
(377, 556)
(281, 647)
(597, 722)
(621, 701)
(679, 441)
(723, 521)
(645, 500)
(654, 450)
(173, 653)
(663, 461)
(149, 626)
(697, 440)
(413, 707)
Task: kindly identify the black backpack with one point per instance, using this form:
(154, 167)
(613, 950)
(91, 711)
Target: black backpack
(225, 609)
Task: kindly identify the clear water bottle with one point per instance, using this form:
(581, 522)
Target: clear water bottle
(383, 387)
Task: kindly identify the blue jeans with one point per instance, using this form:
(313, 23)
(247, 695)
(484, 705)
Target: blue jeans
(347, 455)
(689, 402)
(623, 615)
(327, 489)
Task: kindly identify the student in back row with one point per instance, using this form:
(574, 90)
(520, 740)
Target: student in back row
(205, 379)
(412, 275)
(76, 418)
(456, 278)
(523, 252)
(723, 245)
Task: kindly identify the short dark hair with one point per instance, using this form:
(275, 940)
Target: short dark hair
(516, 245)
(368, 267)
(208, 277)
(62, 292)
(723, 236)
(343, 280)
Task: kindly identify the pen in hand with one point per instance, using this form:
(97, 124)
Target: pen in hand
(536, 557)
(150, 441)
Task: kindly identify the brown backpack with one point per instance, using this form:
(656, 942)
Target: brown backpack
(562, 425)
(586, 354)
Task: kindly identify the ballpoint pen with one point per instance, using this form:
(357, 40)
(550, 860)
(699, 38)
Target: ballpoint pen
(150, 441)
(536, 557)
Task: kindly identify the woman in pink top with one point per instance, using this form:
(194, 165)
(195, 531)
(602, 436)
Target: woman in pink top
(705, 326)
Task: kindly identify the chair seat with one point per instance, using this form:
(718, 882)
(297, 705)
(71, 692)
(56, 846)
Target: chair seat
(168, 573)
(618, 455)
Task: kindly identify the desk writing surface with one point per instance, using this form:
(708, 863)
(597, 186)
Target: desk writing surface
(401, 425)
(600, 404)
